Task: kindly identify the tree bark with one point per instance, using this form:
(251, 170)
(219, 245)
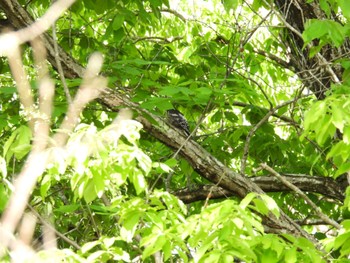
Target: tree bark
(315, 184)
(319, 72)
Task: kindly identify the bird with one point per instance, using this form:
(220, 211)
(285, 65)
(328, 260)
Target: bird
(176, 119)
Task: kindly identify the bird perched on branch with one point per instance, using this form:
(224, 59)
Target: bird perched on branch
(176, 119)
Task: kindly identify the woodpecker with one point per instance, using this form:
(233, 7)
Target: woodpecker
(176, 119)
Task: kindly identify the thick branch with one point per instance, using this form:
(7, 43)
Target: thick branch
(315, 184)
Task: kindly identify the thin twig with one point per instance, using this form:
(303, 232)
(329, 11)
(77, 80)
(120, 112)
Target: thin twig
(59, 66)
(48, 225)
(318, 211)
(254, 129)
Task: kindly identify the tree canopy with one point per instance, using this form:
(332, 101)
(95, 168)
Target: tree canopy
(92, 171)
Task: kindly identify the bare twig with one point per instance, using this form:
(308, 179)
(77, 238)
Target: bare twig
(174, 12)
(59, 66)
(318, 211)
(49, 226)
(158, 39)
(255, 128)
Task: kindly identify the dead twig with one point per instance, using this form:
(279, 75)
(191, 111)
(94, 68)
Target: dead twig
(318, 211)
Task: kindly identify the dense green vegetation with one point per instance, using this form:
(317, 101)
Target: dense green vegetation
(265, 88)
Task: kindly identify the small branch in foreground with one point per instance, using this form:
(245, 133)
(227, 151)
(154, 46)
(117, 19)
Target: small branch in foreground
(23, 86)
(318, 211)
(90, 88)
(37, 159)
(13, 39)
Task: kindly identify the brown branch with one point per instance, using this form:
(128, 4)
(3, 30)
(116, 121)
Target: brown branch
(307, 183)
(278, 60)
(313, 222)
(158, 39)
(177, 14)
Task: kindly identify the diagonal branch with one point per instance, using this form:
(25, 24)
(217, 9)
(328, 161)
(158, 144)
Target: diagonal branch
(304, 196)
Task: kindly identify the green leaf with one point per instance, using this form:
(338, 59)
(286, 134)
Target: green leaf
(3, 168)
(346, 134)
(18, 144)
(68, 208)
(271, 205)
(99, 183)
(118, 22)
(139, 181)
(337, 117)
(154, 247)
(4, 193)
(230, 5)
(345, 8)
(247, 200)
(327, 30)
(98, 256)
(88, 192)
(129, 225)
(88, 246)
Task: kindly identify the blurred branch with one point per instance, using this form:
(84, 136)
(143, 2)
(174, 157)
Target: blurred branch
(13, 39)
(23, 86)
(89, 90)
(37, 159)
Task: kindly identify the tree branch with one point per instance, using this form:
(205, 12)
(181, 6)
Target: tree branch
(318, 211)
(307, 183)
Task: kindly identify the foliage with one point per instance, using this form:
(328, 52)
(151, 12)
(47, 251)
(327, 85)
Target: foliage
(203, 59)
